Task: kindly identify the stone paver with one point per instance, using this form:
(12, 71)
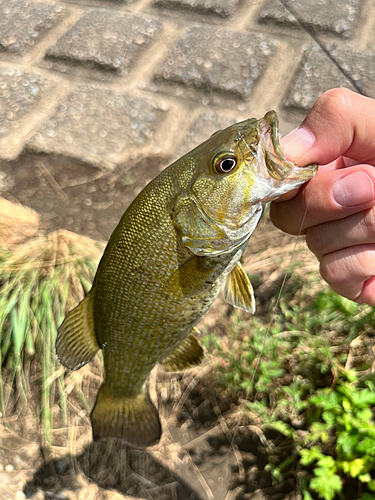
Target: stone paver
(212, 60)
(223, 8)
(20, 93)
(317, 73)
(201, 129)
(223, 63)
(98, 126)
(323, 15)
(24, 23)
(106, 43)
(101, 3)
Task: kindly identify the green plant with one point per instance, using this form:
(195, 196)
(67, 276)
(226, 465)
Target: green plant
(39, 282)
(342, 425)
(292, 376)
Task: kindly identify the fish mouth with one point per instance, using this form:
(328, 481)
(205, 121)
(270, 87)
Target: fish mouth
(270, 151)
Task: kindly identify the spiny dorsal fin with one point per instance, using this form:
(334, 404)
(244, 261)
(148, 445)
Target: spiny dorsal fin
(189, 353)
(76, 342)
(133, 419)
(238, 290)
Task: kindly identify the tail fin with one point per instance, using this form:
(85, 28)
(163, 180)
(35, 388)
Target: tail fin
(134, 419)
(76, 342)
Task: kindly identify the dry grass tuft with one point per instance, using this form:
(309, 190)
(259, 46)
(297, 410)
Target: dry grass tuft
(41, 279)
(16, 223)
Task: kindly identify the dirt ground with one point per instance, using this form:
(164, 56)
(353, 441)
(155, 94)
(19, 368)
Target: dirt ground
(208, 451)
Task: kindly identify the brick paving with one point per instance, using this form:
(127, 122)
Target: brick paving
(105, 42)
(101, 81)
(104, 81)
(98, 125)
(334, 17)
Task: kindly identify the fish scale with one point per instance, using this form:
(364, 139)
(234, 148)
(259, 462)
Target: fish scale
(177, 245)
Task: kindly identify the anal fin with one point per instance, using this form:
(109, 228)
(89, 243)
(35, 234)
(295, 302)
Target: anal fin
(238, 290)
(76, 342)
(189, 353)
(133, 419)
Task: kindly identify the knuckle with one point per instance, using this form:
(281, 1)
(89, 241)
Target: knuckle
(333, 105)
(336, 268)
(315, 240)
(369, 223)
(279, 217)
(328, 271)
(337, 99)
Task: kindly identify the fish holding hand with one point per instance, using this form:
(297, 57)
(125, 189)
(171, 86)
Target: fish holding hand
(177, 245)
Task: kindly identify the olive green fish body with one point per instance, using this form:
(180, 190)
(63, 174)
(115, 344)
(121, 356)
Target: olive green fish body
(177, 245)
(165, 288)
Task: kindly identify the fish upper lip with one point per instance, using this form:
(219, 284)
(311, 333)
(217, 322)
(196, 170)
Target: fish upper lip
(269, 149)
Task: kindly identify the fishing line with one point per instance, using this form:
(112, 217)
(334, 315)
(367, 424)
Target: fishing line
(310, 30)
(257, 362)
(260, 354)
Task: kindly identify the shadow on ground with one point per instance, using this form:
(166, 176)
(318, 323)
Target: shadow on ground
(111, 464)
(73, 195)
(205, 468)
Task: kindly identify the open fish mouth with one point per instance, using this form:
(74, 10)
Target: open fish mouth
(270, 153)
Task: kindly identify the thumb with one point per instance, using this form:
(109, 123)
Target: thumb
(341, 123)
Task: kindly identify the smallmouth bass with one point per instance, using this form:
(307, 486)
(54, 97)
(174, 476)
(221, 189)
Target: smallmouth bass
(177, 245)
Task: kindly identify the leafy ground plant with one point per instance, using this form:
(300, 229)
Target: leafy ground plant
(341, 417)
(40, 280)
(296, 377)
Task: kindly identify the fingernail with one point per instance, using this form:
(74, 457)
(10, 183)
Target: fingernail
(354, 189)
(298, 142)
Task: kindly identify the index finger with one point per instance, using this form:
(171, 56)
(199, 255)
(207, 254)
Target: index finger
(333, 195)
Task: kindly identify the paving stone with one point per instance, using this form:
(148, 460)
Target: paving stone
(102, 41)
(214, 61)
(102, 3)
(335, 16)
(20, 93)
(98, 126)
(223, 8)
(23, 23)
(317, 73)
(201, 129)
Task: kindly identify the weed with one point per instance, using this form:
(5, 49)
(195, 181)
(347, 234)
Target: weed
(293, 378)
(39, 282)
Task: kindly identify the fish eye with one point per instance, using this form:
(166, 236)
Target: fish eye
(224, 164)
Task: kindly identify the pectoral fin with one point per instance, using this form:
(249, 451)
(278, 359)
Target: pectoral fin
(76, 342)
(189, 278)
(238, 290)
(189, 353)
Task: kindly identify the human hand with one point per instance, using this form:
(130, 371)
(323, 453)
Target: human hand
(336, 209)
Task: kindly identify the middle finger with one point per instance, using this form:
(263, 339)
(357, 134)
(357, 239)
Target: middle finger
(356, 229)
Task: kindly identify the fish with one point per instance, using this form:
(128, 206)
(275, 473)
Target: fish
(179, 243)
